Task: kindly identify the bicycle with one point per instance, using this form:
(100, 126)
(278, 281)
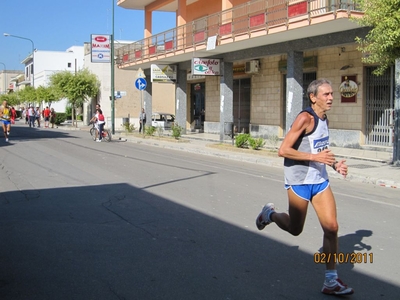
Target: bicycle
(106, 134)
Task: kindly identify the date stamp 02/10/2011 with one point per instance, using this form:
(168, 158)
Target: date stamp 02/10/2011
(344, 258)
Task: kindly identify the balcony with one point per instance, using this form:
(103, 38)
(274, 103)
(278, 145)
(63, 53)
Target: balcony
(246, 26)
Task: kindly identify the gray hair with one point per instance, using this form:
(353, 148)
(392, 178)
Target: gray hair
(314, 86)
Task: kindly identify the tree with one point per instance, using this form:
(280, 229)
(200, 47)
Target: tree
(77, 88)
(46, 94)
(11, 98)
(28, 94)
(381, 45)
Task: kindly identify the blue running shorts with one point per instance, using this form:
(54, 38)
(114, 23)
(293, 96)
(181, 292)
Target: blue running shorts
(6, 122)
(308, 191)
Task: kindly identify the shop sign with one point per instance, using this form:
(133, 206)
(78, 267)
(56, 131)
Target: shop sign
(206, 66)
(348, 89)
(163, 73)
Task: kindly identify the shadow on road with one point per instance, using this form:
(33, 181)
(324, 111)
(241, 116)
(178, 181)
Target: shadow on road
(121, 242)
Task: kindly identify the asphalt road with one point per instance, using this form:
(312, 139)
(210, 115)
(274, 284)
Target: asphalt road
(86, 220)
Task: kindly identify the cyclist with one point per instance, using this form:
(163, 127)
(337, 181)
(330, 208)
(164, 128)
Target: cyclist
(98, 120)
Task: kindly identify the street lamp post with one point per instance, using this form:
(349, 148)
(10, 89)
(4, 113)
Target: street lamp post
(112, 74)
(33, 53)
(5, 80)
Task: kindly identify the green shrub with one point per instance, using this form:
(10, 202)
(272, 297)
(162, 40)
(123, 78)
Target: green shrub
(129, 127)
(68, 112)
(149, 130)
(176, 131)
(256, 144)
(60, 117)
(241, 140)
(79, 117)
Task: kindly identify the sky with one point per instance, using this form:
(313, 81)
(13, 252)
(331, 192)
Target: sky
(55, 25)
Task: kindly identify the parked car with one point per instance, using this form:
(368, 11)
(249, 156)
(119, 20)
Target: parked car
(163, 120)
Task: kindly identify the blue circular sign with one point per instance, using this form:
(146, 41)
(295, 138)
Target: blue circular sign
(140, 84)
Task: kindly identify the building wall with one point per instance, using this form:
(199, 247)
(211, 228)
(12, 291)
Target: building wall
(58, 61)
(212, 101)
(5, 79)
(346, 120)
(266, 93)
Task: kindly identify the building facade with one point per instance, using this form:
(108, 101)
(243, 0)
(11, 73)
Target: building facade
(265, 53)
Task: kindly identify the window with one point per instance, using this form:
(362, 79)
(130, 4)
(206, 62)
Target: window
(69, 65)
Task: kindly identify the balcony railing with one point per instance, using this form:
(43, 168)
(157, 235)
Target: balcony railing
(229, 25)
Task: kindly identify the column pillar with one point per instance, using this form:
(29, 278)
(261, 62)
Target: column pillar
(181, 99)
(148, 98)
(294, 87)
(226, 96)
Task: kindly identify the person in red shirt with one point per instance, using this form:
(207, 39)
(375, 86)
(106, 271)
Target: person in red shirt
(13, 115)
(46, 116)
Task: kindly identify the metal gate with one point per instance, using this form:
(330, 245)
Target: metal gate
(379, 108)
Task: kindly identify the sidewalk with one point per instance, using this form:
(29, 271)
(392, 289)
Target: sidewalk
(365, 165)
(368, 165)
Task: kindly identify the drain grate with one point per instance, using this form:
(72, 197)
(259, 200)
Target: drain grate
(361, 166)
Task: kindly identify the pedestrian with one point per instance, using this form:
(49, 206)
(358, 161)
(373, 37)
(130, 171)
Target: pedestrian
(37, 115)
(32, 116)
(26, 113)
(306, 153)
(46, 115)
(5, 116)
(13, 115)
(52, 117)
(142, 120)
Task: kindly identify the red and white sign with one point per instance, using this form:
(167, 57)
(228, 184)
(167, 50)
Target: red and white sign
(101, 48)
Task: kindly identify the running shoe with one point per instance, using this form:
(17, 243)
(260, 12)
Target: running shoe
(336, 287)
(263, 218)
(98, 141)
(8, 133)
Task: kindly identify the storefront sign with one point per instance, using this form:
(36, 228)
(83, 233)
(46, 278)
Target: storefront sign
(348, 89)
(205, 66)
(101, 48)
(163, 73)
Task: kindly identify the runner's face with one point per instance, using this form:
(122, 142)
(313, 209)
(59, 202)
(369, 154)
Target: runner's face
(324, 97)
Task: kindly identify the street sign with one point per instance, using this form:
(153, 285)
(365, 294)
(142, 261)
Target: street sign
(140, 73)
(140, 84)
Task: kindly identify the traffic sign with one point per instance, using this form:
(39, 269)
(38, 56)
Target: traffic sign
(140, 84)
(140, 73)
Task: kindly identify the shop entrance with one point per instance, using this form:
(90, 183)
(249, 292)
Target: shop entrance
(197, 97)
(379, 100)
(241, 104)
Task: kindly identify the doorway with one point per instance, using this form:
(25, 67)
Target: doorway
(241, 104)
(198, 111)
(379, 99)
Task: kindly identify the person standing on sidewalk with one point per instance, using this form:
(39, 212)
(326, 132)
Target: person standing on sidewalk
(31, 116)
(142, 120)
(37, 115)
(46, 116)
(306, 153)
(52, 117)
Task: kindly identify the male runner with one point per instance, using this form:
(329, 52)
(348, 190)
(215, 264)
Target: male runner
(5, 116)
(306, 152)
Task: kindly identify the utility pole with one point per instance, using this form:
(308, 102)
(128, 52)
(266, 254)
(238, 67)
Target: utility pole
(396, 144)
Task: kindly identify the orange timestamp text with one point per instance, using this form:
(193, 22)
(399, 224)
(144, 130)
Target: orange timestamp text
(344, 258)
